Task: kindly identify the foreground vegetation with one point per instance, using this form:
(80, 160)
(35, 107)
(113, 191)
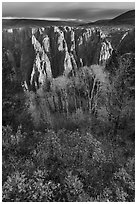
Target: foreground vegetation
(72, 139)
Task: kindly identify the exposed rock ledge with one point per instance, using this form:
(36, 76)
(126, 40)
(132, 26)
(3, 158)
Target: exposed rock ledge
(40, 53)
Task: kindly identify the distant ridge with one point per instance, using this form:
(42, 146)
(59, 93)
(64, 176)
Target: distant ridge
(23, 22)
(127, 18)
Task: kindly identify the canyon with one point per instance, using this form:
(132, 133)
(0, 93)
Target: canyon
(39, 53)
(68, 110)
(60, 59)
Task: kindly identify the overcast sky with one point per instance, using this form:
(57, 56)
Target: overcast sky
(72, 10)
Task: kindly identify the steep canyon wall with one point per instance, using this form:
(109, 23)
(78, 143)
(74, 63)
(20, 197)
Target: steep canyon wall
(40, 53)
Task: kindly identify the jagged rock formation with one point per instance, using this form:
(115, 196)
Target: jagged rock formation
(127, 43)
(40, 53)
(125, 50)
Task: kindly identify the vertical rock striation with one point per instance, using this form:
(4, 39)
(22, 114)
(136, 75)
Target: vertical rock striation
(40, 53)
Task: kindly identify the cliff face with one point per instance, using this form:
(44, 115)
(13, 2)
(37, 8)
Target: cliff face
(125, 51)
(40, 53)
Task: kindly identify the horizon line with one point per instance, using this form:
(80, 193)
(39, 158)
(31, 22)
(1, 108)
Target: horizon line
(43, 18)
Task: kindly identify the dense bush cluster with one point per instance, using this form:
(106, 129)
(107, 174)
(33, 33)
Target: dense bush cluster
(72, 140)
(71, 99)
(64, 166)
(13, 100)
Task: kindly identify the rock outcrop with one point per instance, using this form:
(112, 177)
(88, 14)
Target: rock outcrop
(40, 53)
(125, 49)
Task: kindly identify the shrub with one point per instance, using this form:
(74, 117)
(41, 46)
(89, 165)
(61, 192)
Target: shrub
(65, 166)
(10, 139)
(73, 187)
(19, 188)
(120, 97)
(73, 157)
(69, 97)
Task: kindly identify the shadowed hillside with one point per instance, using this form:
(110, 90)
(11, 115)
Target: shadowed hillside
(127, 18)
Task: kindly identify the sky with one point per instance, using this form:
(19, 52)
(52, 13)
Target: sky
(70, 10)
